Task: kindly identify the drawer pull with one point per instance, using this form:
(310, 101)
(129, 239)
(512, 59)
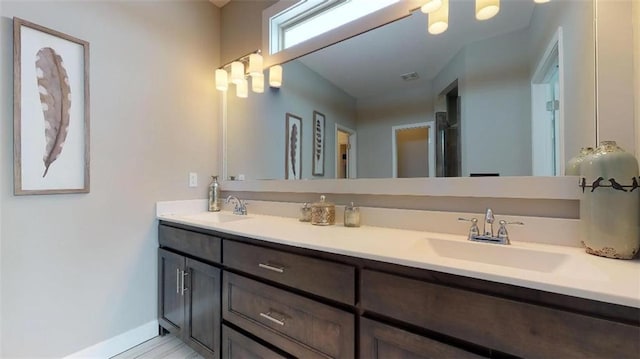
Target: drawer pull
(269, 317)
(271, 268)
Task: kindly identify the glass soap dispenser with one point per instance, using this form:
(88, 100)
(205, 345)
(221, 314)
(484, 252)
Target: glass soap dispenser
(351, 216)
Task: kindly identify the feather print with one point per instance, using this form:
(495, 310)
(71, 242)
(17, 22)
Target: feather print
(55, 97)
(294, 147)
(318, 140)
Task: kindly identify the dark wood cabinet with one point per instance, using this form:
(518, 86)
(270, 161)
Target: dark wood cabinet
(189, 301)
(297, 325)
(381, 341)
(238, 346)
(312, 304)
(327, 279)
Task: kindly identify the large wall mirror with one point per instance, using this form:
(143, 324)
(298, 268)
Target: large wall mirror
(510, 96)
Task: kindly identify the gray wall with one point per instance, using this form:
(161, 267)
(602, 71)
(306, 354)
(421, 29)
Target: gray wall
(256, 125)
(575, 17)
(377, 116)
(79, 269)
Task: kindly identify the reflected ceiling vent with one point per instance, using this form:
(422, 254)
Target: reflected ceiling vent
(410, 76)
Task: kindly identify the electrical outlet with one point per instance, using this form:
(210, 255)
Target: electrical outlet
(193, 179)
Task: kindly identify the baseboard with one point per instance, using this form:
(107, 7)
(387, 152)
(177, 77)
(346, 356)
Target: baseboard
(119, 343)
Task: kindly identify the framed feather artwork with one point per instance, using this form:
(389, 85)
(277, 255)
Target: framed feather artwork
(51, 111)
(293, 148)
(318, 144)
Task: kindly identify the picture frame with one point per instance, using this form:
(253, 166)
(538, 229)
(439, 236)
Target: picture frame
(51, 111)
(293, 147)
(318, 143)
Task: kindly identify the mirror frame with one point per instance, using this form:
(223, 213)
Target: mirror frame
(558, 187)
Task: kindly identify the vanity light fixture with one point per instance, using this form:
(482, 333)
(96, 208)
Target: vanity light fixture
(275, 76)
(239, 70)
(540, 1)
(222, 80)
(431, 6)
(439, 19)
(257, 83)
(486, 9)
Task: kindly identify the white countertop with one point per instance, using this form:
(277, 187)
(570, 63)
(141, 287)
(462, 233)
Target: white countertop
(558, 269)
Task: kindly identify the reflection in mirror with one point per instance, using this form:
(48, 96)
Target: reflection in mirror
(510, 96)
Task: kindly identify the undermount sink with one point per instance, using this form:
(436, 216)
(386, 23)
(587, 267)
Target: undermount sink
(214, 217)
(496, 254)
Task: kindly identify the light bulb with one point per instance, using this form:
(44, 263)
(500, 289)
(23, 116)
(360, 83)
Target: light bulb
(242, 89)
(222, 81)
(439, 19)
(255, 64)
(237, 72)
(540, 1)
(430, 6)
(275, 76)
(257, 83)
(486, 9)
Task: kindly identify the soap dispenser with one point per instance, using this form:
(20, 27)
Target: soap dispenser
(351, 216)
(214, 195)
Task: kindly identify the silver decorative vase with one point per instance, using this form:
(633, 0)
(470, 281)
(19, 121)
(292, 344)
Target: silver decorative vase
(610, 203)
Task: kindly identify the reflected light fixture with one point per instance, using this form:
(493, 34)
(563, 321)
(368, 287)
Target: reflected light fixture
(430, 6)
(255, 64)
(439, 19)
(275, 76)
(237, 72)
(486, 9)
(242, 88)
(540, 1)
(222, 80)
(257, 83)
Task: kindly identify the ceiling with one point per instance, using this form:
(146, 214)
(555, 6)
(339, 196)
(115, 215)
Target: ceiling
(361, 64)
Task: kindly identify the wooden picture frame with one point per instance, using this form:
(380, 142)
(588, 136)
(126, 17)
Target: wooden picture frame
(293, 147)
(318, 143)
(50, 111)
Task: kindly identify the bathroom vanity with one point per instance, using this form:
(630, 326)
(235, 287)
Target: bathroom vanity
(236, 287)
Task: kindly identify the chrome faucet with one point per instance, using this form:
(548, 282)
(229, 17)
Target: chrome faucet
(488, 220)
(501, 238)
(240, 208)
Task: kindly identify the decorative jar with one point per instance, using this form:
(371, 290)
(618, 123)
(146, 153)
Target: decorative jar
(323, 213)
(610, 203)
(573, 166)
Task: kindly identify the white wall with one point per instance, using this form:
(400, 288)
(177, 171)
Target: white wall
(256, 125)
(241, 28)
(79, 269)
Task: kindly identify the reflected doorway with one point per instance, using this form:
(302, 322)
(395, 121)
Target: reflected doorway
(547, 114)
(345, 152)
(413, 149)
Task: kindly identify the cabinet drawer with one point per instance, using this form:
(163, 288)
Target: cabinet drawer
(238, 346)
(381, 341)
(199, 245)
(513, 327)
(297, 325)
(327, 279)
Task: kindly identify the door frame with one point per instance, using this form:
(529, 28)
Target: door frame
(351, 151)
(431, 143)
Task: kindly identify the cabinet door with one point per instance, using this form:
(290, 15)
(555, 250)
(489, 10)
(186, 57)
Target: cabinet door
(170, 298)
(381, 341)
(202, 309)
